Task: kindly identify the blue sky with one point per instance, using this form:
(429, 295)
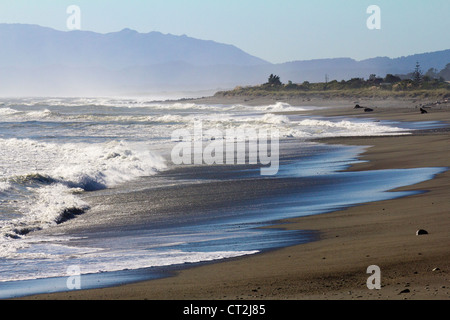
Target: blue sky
(277, 31)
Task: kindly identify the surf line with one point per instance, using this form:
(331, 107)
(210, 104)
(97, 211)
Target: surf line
(229, 147)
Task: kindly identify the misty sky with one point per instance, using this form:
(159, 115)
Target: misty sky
(277, 31)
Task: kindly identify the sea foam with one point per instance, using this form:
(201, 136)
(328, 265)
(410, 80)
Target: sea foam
(51, 175)
(55, 150)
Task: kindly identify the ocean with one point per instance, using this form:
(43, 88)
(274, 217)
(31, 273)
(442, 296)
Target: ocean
(89, 188)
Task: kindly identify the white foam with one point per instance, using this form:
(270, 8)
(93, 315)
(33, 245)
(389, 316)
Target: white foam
(69, 167)
(4, 186)
(95, 260)
(283, 106)
(327, 128)
(42, 209)
(39, 114)
(275, 119)
(106, 261)
(7, 111)
(106, 163)
(9, 114)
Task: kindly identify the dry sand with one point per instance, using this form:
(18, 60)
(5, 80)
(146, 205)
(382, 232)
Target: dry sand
(378, 233)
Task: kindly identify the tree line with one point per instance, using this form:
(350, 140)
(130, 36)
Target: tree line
(414, 80)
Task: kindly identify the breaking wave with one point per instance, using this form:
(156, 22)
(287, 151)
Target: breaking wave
(50, 176)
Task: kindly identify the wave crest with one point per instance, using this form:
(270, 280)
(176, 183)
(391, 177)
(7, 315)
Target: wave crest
(50, 195)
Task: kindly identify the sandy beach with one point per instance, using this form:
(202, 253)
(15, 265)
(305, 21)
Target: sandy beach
(335, 267)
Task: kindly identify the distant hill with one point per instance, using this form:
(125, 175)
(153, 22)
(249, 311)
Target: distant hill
(35, 46)
(346, 68)
(36, 60)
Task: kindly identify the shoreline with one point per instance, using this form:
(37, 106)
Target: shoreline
(375, 233)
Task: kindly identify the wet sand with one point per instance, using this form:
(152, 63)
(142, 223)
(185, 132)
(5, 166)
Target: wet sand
(335, 267)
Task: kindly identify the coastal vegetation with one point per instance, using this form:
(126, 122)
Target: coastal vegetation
(432, 84)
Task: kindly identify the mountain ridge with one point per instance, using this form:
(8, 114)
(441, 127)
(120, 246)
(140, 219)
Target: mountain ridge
(37, 60)
(112, 50)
